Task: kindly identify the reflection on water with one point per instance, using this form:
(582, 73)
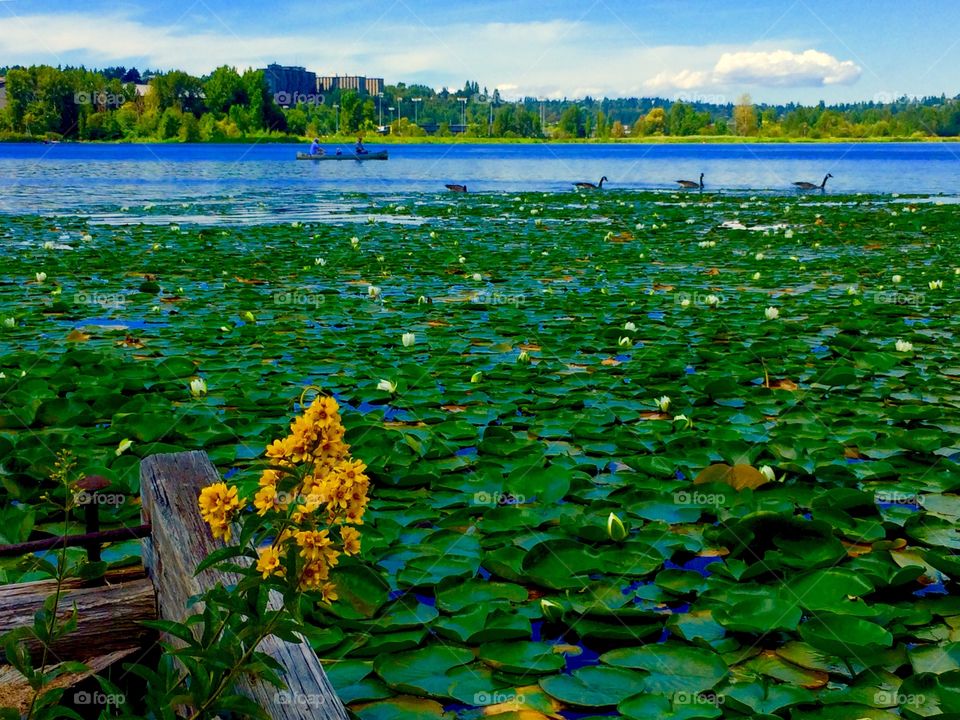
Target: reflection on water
(207, 184)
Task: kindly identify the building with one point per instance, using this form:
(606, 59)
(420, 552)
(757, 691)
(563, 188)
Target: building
(358, 83)
(290, 84)
(3, 92)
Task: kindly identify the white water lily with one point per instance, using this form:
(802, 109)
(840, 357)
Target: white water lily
(422, 300)
(476, 377)
(373, 291)
(198, 387)
(758, 256)
(320, 261)
(9, 322)
(615, 528)
(478, 277)
(788, 234)
(768, 473)
(935, 284)
(663, 402)
(630, 327)
(772, 313)
(355, 241)
(41, 276)
(712, 300)
(461, 259)
(387, 386)
(852, 290)
(408, 339)
(756, 276)
(625, 342)
(124, 445)
(534, 211)
(904, 346)
(433, 235)
(896, 278)
(685, 302)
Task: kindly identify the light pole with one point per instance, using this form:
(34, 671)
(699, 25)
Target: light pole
(336, 112)
(380, 106)
(391, 109)
(416, 108)
(463, 114)
(399, 107)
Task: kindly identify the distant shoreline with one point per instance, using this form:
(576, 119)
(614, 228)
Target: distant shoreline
(348, 141)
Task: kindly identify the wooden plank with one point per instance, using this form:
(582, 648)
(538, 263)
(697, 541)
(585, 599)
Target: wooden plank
(109, 614)
(169, 488)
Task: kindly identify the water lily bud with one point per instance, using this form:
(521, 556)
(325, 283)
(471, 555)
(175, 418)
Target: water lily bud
(552, 610)
(478, 277)
(630, 327)
(124, 445)
(409, 339)
(9, 322)
(625, 342)
(475, 378)
(387, 386)
(433, 235)
(663, 403)
(758, 256)
(198, 387)
(756, 276)
(852, 290)
(615, 528)
(373, 291)
(461, 259)
(788, 234)
(319, 261)
(772, 313)
(41, 276)
(249, 317)
(685, 302)
(422, 300)
(355, 241)
(683, 421)
(935, 284)
(768, 473)
(712, 300)
(904, 346)
(896, 278)
(523, 357)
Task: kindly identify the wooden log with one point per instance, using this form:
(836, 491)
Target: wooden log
(169, 488)
(109, 615)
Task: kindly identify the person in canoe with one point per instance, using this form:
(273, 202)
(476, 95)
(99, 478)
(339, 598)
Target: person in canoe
(360, 149)
(315, 148)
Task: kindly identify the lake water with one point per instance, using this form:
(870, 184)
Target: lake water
(253, 183)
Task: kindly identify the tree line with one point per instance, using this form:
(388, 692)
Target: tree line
(76, 103)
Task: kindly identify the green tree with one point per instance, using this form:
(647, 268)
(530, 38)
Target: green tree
(223, 89)
(169, 125)
(745, 117)
(189, 129)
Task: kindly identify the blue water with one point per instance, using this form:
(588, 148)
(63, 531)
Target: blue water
(255, 183)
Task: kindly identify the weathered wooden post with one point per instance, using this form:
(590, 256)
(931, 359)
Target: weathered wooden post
(169, 488)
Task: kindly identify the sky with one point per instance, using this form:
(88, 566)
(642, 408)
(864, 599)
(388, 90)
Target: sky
(776, 50)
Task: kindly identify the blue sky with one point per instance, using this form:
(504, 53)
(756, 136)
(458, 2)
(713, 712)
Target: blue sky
(789, 50)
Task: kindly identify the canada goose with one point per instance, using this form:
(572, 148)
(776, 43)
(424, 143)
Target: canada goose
(802, 185)
(691, 183)
(591, 186)
(456, 188)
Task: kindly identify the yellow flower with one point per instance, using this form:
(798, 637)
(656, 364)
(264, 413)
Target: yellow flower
(217, 505)
(329, 592)
(269, 562)
(314, 573)
(265, 500)
(351, 540)
(312, 543)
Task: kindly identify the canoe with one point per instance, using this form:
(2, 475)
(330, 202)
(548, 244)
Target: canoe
(381, 155)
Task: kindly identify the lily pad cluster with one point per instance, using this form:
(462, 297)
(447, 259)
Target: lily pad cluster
(784, 484)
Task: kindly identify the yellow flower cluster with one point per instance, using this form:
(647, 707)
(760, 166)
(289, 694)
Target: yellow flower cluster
(218, 503)
(328, 494)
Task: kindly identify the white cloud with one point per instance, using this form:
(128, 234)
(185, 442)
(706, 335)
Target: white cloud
(785, 68)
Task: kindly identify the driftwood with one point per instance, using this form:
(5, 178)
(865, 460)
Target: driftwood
(169, 488)
(109, 615)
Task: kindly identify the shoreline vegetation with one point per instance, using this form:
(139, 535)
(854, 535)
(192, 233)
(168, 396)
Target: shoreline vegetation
(117, 104)
(348, 140)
